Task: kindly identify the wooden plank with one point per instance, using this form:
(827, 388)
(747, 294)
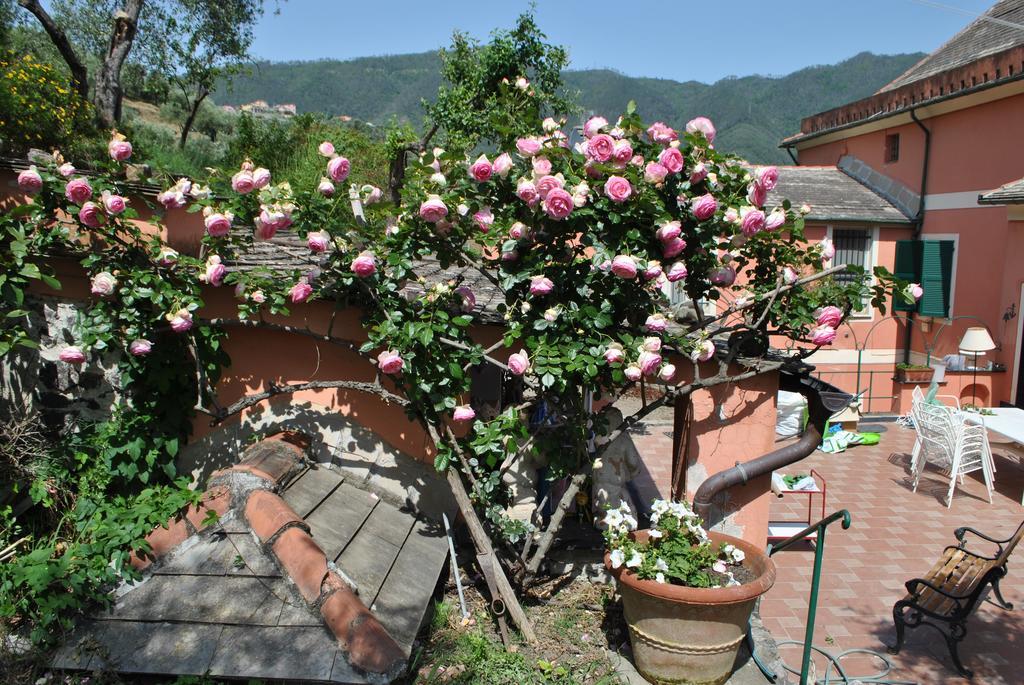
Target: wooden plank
(310, 489)
(369, 556)
(403, 598)
(338, 518)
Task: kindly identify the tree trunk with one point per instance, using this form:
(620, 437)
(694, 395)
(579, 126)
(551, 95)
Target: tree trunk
(187, 127)
(79, 75)
(107, 97)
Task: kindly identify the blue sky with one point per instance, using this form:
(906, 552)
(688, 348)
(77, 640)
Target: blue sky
(679, 39)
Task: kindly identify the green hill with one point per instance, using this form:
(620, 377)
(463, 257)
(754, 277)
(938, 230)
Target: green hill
(752, 113)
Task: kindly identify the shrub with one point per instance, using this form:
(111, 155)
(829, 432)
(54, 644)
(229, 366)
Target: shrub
(37, 109)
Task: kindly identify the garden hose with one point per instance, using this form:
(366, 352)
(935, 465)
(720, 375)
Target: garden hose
(840, 677)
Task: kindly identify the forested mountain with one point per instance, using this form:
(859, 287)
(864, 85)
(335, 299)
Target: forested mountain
(752, 113)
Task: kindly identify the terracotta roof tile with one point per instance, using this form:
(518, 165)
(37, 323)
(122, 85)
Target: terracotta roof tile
(1011, 193)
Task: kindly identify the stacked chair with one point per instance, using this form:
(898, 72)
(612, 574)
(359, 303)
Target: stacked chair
(945, 440)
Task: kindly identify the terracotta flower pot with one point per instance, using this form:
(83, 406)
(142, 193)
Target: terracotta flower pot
(690, 635)
(914, 375)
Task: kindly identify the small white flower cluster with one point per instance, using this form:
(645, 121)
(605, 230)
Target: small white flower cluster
(682, 512)
(621, 520)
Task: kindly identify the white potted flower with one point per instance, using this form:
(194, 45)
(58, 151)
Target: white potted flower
(687, 594)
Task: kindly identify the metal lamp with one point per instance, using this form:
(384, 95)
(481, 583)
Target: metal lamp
(976, 341)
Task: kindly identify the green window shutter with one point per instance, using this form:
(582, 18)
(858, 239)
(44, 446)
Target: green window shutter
(908, 268)
(936, 277)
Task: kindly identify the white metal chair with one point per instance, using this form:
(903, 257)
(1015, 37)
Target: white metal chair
(945, 440)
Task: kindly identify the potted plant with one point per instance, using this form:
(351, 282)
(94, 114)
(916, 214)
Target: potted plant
(687, 594)
(914, 373)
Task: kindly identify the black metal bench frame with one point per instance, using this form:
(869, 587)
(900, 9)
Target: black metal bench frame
(907, 613)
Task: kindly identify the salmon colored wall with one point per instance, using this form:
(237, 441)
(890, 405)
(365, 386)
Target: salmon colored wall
(971, 149)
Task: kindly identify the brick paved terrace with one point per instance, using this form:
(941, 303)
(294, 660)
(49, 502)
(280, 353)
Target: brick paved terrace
(896, 535)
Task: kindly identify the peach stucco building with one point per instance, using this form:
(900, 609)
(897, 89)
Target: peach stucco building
(940, 143)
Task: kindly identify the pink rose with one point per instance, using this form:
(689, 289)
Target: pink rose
(704, 207)
(371, 194)
(601, 147)
(672, 159)
(633, 372)
(338, 169)
(655, 172)
(722, 276)
(673, 248)
(653, 270)
(481, 169)
(526, 191)
(181, 321)
(78, 190)
(114, 204)
(518, 231)
(828, 250)
(258, 297)
(172, 198)
(72, 355)
(756, 194)
(541, 285)
(829, 316)
(624, 266)
(365, 264)
(91, 215)
(140, 347)
(614, 354)
(218, 224)
(318, 241)
(509, 255)
(789, 275)
(463, 413)
(648, 362)
(541, 166)
(503, 164)
(914, 291)
(30, 181)
(261, 177)
(119, 150)
(775, 219)
(703, 352)
(669, 231)
(467, 297)
(528, 147)
(433, 209)
(617, 188)
(676, 272)
(325, 188)
(622, 153)
(300, 292)
(519, 362)
(660, 133)
(326, 149)
(558, 204)
(594, 126)
(103, 284)
(768, 177)
(703, 126)
(215, 271)
(698, 173)
(390, 362)
(752, 221)
(667, 372)
(548, 183)
(66, 169)
(243, 183)
(656, 323)
(652, 344)
(823, 335)
(484, 218)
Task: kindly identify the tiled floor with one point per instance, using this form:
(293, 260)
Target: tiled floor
(896, 535)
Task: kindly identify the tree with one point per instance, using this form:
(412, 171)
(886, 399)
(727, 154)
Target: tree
(204, 42)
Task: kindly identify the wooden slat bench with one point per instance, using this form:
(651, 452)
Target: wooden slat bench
(951, 591)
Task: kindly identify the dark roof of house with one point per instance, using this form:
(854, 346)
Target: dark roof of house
(307, 577)
(1011, 193)
(833, 195)
(287, 252)
(990, 33)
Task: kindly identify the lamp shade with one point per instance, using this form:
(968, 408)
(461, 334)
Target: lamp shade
(976, 340)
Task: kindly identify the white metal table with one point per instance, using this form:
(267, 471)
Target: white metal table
(1006, 425)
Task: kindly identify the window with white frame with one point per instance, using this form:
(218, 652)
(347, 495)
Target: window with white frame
(854, 246)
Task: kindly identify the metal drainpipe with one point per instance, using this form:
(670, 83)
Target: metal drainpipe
(821, 404)
(789, 149)
(919, 219)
